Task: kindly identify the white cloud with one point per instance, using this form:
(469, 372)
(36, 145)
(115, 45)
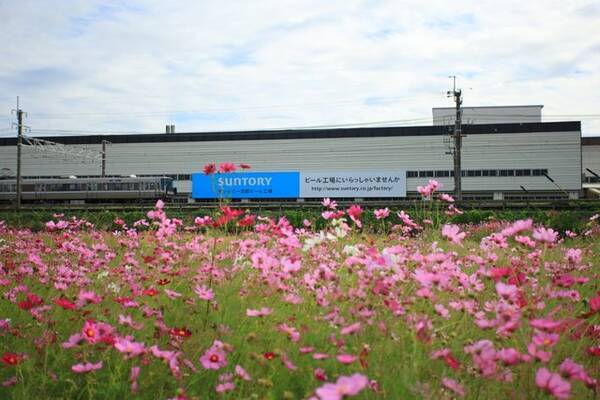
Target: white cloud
(221, 65)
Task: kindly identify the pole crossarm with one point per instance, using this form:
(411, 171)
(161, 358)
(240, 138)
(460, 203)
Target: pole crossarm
(43, 145)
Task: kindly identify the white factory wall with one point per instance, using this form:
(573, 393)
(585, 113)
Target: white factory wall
(488, 115)
(591, 159)
(559, 152)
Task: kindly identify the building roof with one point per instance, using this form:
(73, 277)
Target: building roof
(438, 130)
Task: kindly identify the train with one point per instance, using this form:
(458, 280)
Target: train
(88, 190)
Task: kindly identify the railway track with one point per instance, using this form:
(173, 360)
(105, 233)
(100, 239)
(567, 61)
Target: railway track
(583, 204)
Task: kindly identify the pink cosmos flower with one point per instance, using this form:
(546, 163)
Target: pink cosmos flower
(573, 256)
(553, 384)
(214, 358)
(346, 358)
(454, 386)
(129, 347)
(331, 204)
(545, 235)
(355, 211)
(572, 370)
(205, 293)
(73, 341)
(547, 325)
(517, 227)
(287, 362)
(225, 387)
(203, 221)
(344, 386)
(429, 189)
(350, 329)
(86, 367)
(133, 377)
(509, 356)
(543, 339)
(526, 241)
(227, 167)
(292, 332)
(382, 213)
(453, 233)
(259, 313)
(242, 373)
(447, 198)
(209, 169)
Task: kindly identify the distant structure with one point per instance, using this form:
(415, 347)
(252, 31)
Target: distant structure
(489, 115)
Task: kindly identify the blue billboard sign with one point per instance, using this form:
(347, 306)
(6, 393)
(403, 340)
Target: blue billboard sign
(246, 185)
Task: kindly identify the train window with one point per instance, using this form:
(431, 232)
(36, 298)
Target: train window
(412, 174)
(503, 172)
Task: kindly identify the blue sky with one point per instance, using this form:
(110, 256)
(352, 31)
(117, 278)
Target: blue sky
(134, 66)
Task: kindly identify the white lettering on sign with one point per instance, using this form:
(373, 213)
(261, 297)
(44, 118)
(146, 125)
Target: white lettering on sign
(244, 181)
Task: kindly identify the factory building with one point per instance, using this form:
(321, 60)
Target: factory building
(525, 158)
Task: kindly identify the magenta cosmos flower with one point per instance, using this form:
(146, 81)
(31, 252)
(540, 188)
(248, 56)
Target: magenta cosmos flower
(553, 383)
(345, 386)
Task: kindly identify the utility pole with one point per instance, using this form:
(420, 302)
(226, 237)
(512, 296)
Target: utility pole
(19, 113)
(104, 143)
(457, 136)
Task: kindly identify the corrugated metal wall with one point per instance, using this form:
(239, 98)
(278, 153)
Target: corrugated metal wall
(559, 152)
(591, 159)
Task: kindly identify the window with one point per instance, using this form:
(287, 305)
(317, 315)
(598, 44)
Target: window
(412, 174)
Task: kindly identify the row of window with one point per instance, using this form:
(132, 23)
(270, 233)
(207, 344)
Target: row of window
(477, 172)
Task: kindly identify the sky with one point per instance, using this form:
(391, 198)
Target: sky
(87, 67)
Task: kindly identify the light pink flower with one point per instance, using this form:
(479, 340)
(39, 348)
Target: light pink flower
(545, 235)
(133, 378)
(454, 386)
(264, 311)
(345, 386)
(517, 227)
(205, 293)
(331, 204)
(453, 233)
(292, 332)
(350, 329)
(87, 367)
(242, 373)
(129, 347)
(382, 213)
(225, 387)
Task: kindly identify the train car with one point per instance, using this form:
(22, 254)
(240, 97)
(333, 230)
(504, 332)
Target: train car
(88, 190)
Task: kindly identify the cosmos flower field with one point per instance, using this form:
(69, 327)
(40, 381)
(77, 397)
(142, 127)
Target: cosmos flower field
(265, 310)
